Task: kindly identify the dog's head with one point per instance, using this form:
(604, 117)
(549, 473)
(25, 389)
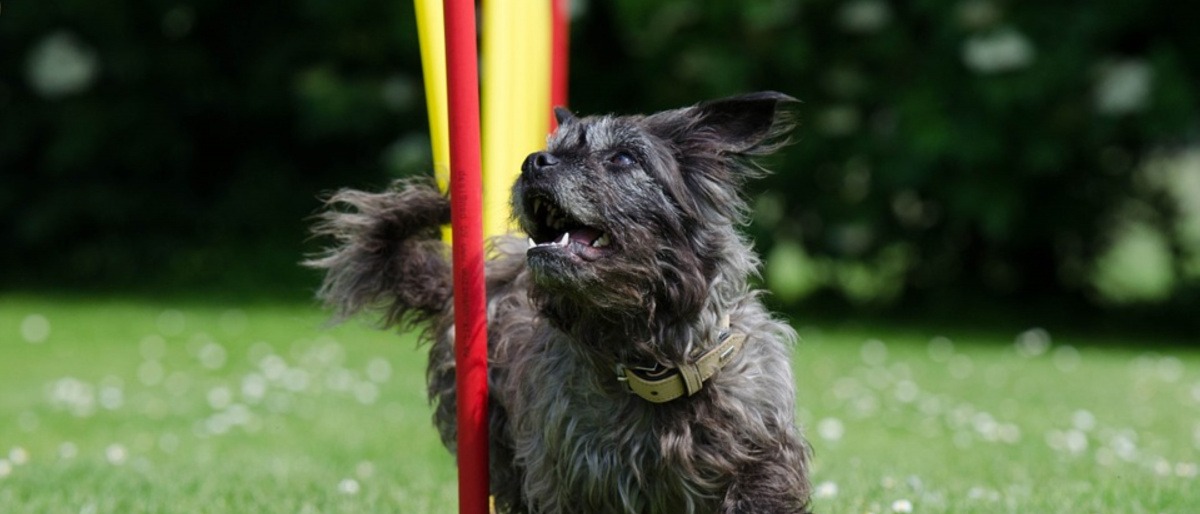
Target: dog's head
(629, 213)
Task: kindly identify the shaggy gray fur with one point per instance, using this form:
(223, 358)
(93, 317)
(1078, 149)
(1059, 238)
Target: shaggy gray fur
(652, 264)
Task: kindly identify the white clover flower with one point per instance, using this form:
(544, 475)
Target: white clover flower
(18, 456)
(1033, 342)
(35, 329)
(1186, 469)
(831, 429)
(349, 486)
(826, 489)
(116, 454)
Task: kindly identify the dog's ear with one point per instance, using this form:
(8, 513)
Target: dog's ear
(714, 144)
(742, 123)
(563, 116)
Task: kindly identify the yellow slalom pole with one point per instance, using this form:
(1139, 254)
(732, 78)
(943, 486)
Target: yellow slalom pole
(516, 98)
(430, 31)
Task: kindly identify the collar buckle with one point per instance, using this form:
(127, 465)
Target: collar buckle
(644, 373)
(659, 383)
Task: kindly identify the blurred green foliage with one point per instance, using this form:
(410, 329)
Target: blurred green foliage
(973, 148)
(947, 150)
(196, 145)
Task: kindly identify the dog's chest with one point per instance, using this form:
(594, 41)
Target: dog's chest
(585, 446)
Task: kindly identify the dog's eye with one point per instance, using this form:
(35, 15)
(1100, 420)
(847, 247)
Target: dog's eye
(622, 159)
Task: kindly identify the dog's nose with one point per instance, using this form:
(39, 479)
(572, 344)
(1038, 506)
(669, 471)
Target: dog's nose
(538, 162)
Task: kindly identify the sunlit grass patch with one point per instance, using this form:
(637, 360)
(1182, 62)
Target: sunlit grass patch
(992, 422)
(131, 407)
(112, 406)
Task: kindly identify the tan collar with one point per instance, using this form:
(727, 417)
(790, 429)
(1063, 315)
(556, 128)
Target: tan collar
(661, 385)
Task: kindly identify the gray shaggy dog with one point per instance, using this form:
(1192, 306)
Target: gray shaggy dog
(633, 369)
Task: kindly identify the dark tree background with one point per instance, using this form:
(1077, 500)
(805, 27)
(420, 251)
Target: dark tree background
(974, 149)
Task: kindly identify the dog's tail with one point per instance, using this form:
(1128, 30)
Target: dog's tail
(388, 257)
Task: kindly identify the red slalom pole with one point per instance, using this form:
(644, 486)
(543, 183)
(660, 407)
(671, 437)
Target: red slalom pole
(560, 37)
(466, 215)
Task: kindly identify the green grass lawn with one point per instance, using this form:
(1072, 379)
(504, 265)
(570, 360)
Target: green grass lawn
(125, 407)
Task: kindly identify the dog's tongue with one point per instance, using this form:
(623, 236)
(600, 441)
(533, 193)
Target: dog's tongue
(585, 236)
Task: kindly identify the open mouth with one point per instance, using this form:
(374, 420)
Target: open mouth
(553, 228)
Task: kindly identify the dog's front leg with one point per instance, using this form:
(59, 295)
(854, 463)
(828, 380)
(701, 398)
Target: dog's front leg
(768, 487)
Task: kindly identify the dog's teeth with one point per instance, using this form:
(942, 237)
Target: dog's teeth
(537, 205)
(601, 241)
(532, 243)
(566, 238)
